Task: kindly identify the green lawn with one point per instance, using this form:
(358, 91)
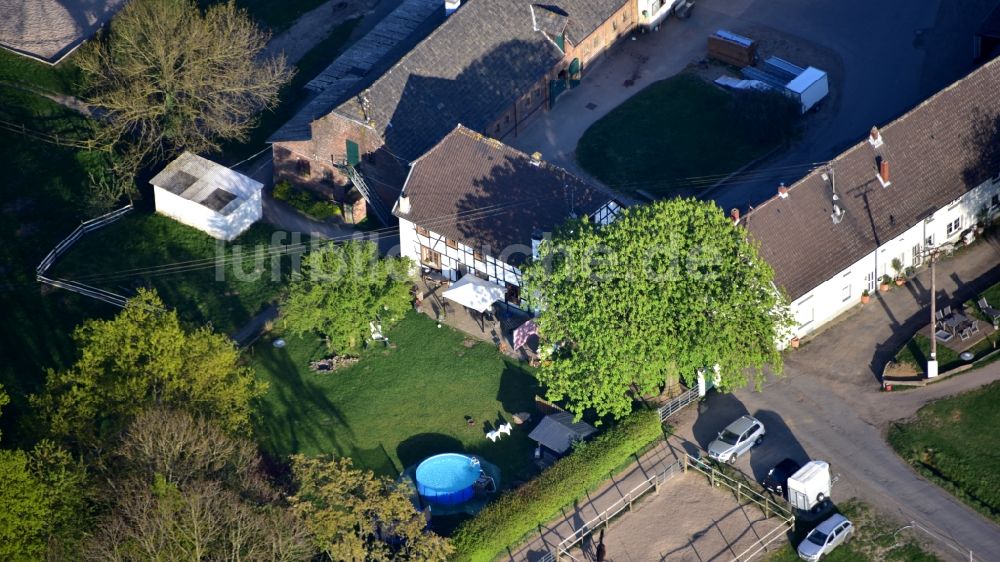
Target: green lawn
(41, 200)
(873, 540)
(62, 78)
(677, 128)
(954, 443)
(397, 405)
(106, 258)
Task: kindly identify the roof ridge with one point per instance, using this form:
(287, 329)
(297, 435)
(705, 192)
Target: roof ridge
(886, 127)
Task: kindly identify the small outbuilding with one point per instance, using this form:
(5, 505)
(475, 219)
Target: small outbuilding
(559, 432)
(207, 196)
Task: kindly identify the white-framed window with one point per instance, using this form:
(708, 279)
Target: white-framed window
(930, 241)
(954, 226)
(806, 312)
(845, 293)
(918, 254)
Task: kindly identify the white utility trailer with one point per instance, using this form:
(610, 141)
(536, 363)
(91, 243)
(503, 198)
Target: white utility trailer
(809, 87)
(810, 486)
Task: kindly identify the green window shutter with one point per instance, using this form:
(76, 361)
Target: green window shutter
(574, 67)
(561, 42)
(353, 153)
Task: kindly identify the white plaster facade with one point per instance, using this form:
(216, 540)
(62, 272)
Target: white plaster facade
(454, 259)
(216, 225)
(208, 196)
(945, 226)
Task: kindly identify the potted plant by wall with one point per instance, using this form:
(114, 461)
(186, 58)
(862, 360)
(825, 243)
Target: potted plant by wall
(865, 296)
(884, 285)
(897, 266)
(795, 342)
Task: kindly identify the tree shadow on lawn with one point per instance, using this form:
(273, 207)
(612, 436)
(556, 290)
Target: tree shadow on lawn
(288, 421)
(415, 449)
(377, 459)
(518, 388)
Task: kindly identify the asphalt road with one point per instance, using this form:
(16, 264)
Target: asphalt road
(828, 406)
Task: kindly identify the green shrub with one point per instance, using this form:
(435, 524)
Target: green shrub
(306, 201)
(516, 513)
(283, 190)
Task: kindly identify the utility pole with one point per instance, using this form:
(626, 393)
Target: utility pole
(932, 364)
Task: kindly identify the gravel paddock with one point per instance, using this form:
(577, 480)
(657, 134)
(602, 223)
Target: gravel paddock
(687, 521)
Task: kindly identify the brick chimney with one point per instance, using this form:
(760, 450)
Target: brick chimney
(735, 215)
(783, 191)
(883, 172)
(875, 138)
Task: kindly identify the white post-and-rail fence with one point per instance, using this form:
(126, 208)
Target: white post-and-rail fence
(743, 492)
(62, 247)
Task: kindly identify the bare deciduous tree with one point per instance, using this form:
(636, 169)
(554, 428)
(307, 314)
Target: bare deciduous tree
(184, 490)
(168, 77)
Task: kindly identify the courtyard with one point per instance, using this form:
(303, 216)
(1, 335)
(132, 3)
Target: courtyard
(676, 130)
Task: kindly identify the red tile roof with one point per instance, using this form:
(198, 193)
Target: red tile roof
(483, 193)
(946, 146)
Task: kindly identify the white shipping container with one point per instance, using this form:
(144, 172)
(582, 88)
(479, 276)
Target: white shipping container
(810, 485)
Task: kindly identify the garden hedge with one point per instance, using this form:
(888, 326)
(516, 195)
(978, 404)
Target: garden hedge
(506, 521)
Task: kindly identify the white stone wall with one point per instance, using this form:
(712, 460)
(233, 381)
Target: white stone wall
(196, 215)
(843, 291)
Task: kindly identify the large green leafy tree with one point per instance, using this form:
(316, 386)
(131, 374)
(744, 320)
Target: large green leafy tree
(169, 77)
(140, 358)
(355, 515)
(42, 497)
(665, 291)
(343, 289)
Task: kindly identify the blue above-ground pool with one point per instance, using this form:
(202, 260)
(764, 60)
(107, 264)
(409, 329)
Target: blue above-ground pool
(447, 479)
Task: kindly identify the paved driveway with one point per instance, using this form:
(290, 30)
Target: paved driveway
(828, 406)
(893, 53)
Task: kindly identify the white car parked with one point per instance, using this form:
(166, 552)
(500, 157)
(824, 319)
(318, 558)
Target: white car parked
(827, 536)
(736, 439)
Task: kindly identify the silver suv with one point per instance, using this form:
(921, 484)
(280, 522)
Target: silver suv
(736, 439)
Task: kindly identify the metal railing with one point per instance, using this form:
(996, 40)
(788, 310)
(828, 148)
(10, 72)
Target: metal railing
(717, 478)
(762, 543)
(383, 214)
(677, 404)
(63, 246)
(623, 503)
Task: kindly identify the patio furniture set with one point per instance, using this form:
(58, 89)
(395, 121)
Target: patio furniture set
(951, 323)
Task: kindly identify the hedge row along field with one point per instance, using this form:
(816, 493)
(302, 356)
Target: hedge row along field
(518, 512)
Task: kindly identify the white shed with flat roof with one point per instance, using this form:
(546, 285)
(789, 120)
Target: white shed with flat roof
(207, 196)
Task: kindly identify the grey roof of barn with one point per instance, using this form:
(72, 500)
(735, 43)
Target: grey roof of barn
(946, 146)
(516, 196)
(559, 432)
(468, 70)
